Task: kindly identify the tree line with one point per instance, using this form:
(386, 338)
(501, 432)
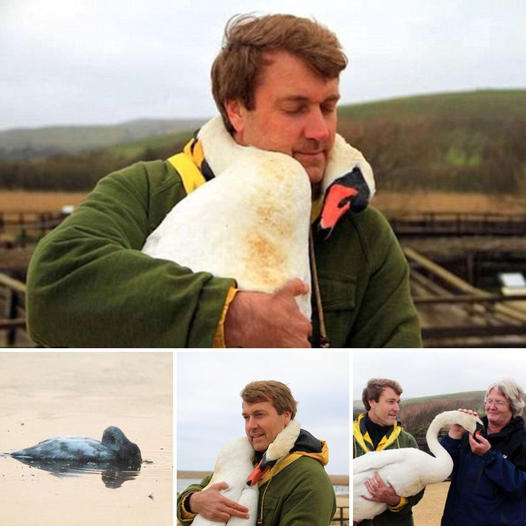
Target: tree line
(446, 153)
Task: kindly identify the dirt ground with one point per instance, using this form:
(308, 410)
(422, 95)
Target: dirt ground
(20, 201)
(445, 202)
(428, 511)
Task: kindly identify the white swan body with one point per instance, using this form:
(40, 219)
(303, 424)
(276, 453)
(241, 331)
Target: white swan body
(251, 222)
(408, 470)
(233, 466)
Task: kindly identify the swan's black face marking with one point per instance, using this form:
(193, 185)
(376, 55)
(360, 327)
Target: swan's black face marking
(347, 193)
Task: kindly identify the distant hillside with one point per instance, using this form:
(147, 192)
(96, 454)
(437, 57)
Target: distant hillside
(457, 142)
(27, 143)
(452, 142)
(416, 413)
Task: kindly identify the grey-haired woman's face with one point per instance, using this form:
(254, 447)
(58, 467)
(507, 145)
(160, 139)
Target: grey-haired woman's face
(498, 408)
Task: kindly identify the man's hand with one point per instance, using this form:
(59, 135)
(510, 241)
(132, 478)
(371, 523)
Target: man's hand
(257, 319)
(380, 491)
(479, 445)
(456, 431)
(212, 505)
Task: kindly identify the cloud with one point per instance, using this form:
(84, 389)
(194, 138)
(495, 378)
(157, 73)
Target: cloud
(209, 403)
(99, 62)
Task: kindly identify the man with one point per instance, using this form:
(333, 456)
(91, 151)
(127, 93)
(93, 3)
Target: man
(275, 83)
(488, 483)
(295, 491)
(377, 430)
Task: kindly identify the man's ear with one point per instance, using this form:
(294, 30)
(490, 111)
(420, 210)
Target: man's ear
(288, 416)
(236, 112)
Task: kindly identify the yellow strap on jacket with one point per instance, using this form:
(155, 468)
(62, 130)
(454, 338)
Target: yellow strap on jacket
(188, 165)
(362, 437)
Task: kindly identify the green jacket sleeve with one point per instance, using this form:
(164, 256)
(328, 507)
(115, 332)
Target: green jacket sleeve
(182, 495)
(90, 286)
(387, 316)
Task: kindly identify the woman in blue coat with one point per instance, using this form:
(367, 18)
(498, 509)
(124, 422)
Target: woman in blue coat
(488, 483)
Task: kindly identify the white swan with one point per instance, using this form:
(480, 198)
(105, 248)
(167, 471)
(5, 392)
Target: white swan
(408, 470)
(251, 222)
(234, 466)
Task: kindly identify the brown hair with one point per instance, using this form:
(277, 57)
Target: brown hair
(374, 389)
(248, 37)
(269, 390)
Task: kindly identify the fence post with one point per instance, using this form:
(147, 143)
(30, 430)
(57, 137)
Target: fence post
(11, 308)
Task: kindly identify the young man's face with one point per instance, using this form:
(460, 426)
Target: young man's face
(385, 411)
(294, 113)
(263, 423)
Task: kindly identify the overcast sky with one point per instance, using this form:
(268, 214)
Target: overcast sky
(428, 372)
(107, 61)
(209, 406)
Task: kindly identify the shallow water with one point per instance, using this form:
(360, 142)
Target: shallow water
(46, 394)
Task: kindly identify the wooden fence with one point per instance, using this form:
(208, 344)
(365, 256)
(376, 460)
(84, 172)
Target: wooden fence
(454, 313)
(458, 224)
(13, 320)
(25, 228)
(341, 517)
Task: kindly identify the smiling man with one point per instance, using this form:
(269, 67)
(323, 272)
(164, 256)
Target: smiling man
(294, 489)
(276, 85)
(376, 430)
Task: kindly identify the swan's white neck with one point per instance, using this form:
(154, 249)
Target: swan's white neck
(444, 463)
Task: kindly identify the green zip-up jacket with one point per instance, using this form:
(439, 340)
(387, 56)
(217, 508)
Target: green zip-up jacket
(396, 438)
(90, 286)
(299, 494)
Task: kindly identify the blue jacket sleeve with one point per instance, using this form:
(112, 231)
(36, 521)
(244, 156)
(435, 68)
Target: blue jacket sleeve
(451, 445)
(504, 474)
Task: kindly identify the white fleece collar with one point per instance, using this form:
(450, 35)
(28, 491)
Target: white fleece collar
(284, 441)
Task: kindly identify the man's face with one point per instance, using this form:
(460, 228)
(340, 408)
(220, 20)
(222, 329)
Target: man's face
(385, 411)
(263, 423)
(294, 113)
(497, 409)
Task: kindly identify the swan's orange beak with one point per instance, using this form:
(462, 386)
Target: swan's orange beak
(257, 474)
(337, 202)
(478, 429)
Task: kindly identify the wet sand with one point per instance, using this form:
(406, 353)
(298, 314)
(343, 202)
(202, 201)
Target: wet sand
(45, 394)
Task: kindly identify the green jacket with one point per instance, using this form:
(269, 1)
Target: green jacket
(299, 495)
(90, 286)
(396, 440)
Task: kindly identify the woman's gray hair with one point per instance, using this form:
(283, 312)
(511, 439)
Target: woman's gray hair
(513, 393)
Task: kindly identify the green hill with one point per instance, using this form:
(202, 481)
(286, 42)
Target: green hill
(27, 143)
(456, 142)
(416, 413)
